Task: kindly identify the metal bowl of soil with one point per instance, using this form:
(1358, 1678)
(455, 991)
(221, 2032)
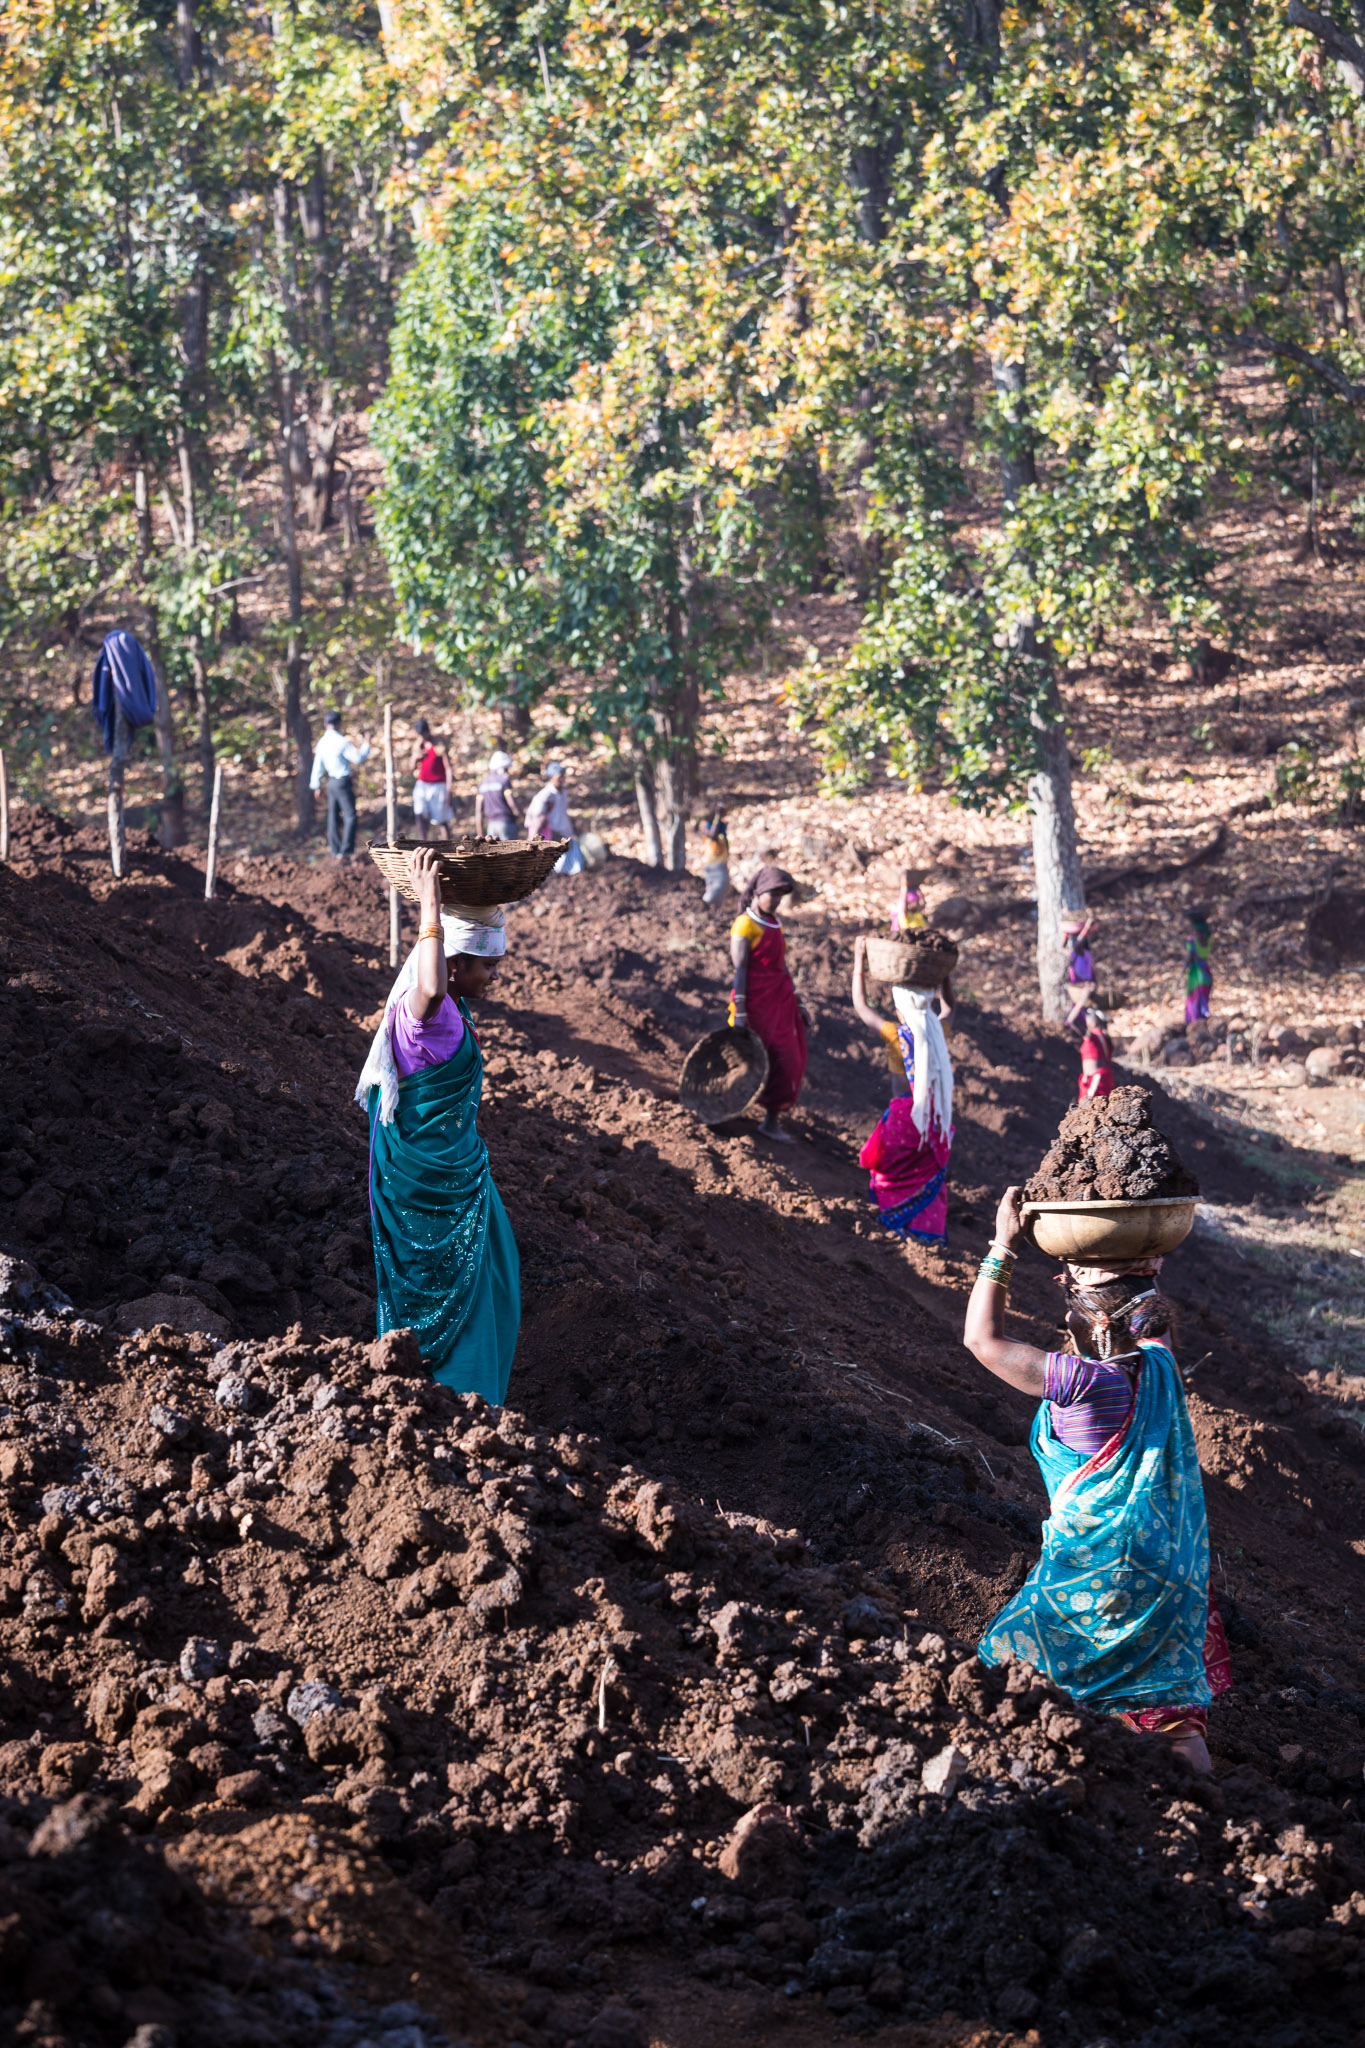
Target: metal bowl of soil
(1093, 1233)
(722, 1074)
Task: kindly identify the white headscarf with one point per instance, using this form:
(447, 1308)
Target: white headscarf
(932, 1102)
(464, 930)
(499, 763)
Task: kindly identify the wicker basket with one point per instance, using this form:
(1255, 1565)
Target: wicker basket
(479, 872)
(1093, 1233)
(910, 961)
(722, 1074)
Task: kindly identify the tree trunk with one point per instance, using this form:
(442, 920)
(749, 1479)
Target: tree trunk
(317, 500)
(172, 784)
(1056, 854)
(1056, 859)
(649, 816)
(295, 468)
(192, 447)
(670, 795)
(295, 716)
(204, 711)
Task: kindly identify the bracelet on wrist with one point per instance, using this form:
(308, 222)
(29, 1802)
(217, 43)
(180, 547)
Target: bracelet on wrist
(1004, 1251)
(429, 931)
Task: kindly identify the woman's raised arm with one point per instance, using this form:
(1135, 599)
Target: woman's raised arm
(427, 996)
(865, 1013)
(1021, 1365)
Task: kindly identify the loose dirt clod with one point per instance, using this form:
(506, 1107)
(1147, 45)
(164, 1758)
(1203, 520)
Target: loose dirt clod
(1107, 1150)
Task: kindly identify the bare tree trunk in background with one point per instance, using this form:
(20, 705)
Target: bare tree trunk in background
(295, 716)
(675, 764)
(294, 469)
(172, 784)
(1056, 858)
(317, 496)
(1056, 854)
(204, 713)
(649, 816)
(191, 441)
(670, 784)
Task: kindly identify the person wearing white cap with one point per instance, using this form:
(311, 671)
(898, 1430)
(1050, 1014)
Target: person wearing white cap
(495, 814)
(445, 1259)
(547, 817)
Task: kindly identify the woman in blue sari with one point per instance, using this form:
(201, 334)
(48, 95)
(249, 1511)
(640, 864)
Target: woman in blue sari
(1118, 1609)
(445, 1258)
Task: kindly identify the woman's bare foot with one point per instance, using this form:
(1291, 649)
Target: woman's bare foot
(1192, 1746)
(771, 1128)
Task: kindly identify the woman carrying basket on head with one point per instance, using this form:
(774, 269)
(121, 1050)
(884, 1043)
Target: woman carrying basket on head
(907, 1153)
(1119, 1609)
(763, 998)
(445, 1257)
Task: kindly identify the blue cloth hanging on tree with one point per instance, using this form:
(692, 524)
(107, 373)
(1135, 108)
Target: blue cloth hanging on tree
(124, 681)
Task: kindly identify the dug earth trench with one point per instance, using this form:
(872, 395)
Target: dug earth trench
(337, 1708)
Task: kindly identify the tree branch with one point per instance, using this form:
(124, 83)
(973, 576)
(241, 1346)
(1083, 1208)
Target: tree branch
(1321, 366)
(1345, 51)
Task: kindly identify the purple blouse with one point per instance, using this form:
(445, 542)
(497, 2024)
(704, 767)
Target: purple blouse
(425, 1044)
(1090, 1399)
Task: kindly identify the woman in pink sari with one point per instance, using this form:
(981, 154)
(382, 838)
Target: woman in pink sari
(907, 1152)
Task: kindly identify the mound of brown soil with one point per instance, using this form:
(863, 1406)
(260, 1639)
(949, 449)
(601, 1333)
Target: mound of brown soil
(1107, 1150)
(710, 1328)
(580, 1715)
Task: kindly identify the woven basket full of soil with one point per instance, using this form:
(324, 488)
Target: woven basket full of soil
(479, 872)
(722, 1074)
(1111, 1186)
(922, 959)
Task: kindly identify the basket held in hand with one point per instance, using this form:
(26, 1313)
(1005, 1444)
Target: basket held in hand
(479, 872)
(722, 1074)
(919, 960)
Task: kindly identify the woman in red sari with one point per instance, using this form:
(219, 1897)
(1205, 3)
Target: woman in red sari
(907, 1152)
(763, 998)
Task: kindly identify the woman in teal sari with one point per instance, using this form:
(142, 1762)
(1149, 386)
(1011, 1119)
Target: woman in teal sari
(1118, 1609)
(445, 1257)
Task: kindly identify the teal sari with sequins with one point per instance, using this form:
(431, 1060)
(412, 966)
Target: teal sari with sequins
(444, 1254)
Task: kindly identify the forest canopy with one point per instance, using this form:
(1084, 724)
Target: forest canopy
(667, 313)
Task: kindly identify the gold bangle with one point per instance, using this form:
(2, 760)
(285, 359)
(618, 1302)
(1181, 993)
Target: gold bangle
(429, 931)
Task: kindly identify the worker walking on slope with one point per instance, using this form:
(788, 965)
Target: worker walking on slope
(430, 768)
(763, 999)
(907, 1151)
(1119, 1609)
(547, 817)
(495, 814)
(334, 758)
(716, 873)
(1198, 967)
(445, 1259)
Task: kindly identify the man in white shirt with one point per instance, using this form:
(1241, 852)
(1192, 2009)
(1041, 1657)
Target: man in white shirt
(334, 758)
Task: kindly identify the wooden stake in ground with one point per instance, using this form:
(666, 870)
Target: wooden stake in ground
(118, 760)
(211, 865)
(4, 807)
(391, 805)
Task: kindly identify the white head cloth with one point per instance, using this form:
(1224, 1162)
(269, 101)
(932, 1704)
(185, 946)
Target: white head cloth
(932, 1102)
(499, 762)
(464, 930)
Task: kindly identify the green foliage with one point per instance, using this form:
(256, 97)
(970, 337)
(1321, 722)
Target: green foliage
(1298, 776)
